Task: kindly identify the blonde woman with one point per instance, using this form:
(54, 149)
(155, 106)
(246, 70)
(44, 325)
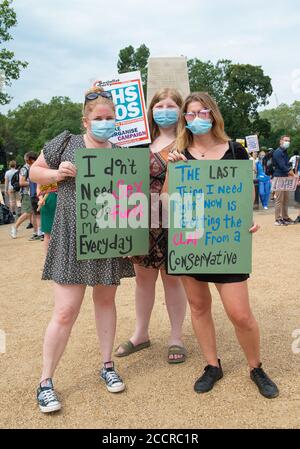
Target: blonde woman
(201, 136)
(163, 116)
(70, 276)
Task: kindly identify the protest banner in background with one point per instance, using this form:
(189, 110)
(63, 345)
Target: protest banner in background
(112, 191)
(131, 118)
(213, 210)
(288, 183)
(252, 143)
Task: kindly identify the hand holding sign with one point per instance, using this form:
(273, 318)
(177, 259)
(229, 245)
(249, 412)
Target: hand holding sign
(66, 169)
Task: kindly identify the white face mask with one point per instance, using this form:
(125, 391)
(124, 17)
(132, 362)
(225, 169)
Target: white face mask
(286, 145)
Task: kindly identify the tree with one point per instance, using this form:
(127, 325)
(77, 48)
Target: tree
(9, 67)
(284, 120)
(239, 89)
(31, 125)
(131, 60)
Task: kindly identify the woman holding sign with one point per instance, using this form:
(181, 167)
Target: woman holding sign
(70, 276)
(163, 114)
(201, 136)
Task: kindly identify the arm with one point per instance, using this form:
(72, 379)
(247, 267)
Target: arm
(42, 174)
(23, 182)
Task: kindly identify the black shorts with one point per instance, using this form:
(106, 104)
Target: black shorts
(34, 204)
(219, 278)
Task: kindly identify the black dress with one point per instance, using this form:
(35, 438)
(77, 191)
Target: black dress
(226, 278)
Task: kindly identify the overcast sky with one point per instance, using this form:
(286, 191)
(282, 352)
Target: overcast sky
(69, 43)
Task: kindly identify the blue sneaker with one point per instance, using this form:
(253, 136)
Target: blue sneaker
(47, 398)
(112, 380)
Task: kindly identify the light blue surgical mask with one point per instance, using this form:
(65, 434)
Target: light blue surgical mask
(165, 117)
(286, 145)
(199, 126)
(102, 130)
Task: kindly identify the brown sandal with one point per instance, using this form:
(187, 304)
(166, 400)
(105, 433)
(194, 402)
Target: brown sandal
(129, 348)
(177, 350)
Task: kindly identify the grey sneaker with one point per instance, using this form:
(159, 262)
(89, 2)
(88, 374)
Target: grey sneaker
(113, 381)
(47, 398)
(13, 232)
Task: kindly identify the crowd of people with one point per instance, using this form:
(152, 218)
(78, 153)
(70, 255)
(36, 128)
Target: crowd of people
(29, 201)
(267, 167)
(181, 129)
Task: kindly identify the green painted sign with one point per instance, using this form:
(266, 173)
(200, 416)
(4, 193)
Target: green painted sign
(210, 217)
(112, 193)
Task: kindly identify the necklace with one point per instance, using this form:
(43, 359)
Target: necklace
(200, 152)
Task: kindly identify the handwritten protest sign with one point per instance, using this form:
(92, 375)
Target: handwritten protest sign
(288, 183)
(210, 217)
(131, 125)
(112, 190)
(252, 143)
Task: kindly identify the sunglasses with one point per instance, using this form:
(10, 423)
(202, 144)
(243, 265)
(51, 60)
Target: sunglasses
(94, 95)
(190, 116)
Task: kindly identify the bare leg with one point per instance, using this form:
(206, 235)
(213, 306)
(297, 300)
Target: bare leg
(21, 219)
(144, 301)
(199, 298)
(235, 299)
(176, 306)
(46, 242)
(106, 317)
(68, 300)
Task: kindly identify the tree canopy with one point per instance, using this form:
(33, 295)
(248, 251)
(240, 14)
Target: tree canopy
(10, 67)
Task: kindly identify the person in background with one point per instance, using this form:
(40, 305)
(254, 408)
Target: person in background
(26, 208)
(297, 192)
(264, 181)
(253, 157)
(282, 169)
(47, 206)
(201, 136)
(36, 219)
(163, 114)
(293, 159)
(9, 191)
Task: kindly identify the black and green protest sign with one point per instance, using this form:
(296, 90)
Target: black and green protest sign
(112, 192)
(210, 217)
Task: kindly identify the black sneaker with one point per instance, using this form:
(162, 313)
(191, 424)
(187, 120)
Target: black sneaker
(29, 226)
(47, 398)
(112, 380)
(208, 379)
(280, 222)
(297, 220)
(288, 221)
(265, 385)
(34, 237)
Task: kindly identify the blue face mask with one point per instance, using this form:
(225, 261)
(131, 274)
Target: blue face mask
(102, 130)
(165, 117)
(199, 126)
